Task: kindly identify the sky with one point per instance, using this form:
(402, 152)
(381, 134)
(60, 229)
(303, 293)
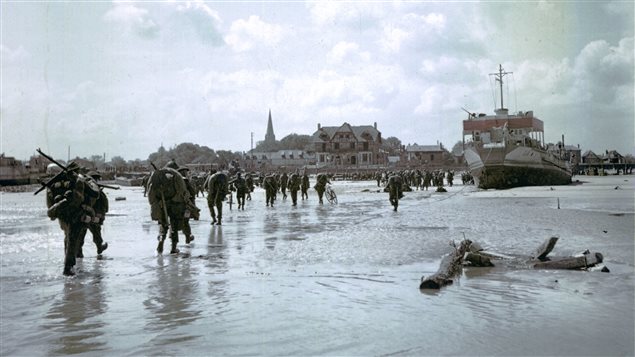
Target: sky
(123, 78)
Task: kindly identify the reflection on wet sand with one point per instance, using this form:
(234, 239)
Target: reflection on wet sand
(77, 316)
(170, 298)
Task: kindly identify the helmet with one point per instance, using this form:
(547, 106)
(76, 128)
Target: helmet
(73, 166)
(53, 169)
(94, 174)
(172, 165)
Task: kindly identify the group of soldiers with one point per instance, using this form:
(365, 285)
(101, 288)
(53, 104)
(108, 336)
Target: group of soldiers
(77, 201)
(420, 180)
(172, 192)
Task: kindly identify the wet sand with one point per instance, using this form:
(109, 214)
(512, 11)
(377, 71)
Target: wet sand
(327, 280)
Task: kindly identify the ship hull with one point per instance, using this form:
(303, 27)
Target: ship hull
(502, 168)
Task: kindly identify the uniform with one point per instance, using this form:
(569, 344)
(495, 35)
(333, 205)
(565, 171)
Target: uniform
(240, 185)
(271, 187)
(169, 199)
(191, 211)
(100, 206)
(304, 186)
(320, 185)
(217, 189)
(65, 200)
(394, 187)
(294, 187)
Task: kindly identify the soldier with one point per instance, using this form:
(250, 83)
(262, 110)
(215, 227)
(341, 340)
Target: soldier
(191, 210)
(169, 198)
(320, 185)
(304, 186)
(65, 199)
(100, 206)
(217, 189)
(394, 188)
(271, 187)
(240, 185)
(249, 180)
(294, 186)
(284, 180)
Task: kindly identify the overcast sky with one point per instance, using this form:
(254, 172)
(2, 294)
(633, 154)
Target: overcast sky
(122, 78)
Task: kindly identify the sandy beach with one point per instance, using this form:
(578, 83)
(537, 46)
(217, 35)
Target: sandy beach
(327, 279)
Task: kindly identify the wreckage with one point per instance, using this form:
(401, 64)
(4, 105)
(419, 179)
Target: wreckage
(469, 253)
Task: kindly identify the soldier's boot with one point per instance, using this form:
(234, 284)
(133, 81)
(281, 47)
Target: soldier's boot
(189, 238)
(160, 245)
(174, 250)
(219, 221)
(102, 247)
(80, 253)
(213, 220)
(68, 271)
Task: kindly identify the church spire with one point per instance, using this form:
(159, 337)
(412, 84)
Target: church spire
(270, 137)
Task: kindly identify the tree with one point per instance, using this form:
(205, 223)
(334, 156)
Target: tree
(392, 145)
(118, 163)
(457, 149)
(295, 142)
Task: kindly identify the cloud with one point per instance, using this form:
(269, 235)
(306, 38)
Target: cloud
(245, 35)
(340, 51)
(205, 21)
(347, 14)
(13, 56)
(133, 19)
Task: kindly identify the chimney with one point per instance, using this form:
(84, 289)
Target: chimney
(319, 126)
(375, 125)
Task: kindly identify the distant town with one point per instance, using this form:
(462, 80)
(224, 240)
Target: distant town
(344, 148)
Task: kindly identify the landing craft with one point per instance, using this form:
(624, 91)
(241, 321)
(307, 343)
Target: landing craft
(508, 150)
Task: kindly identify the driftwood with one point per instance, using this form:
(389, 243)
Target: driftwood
(450, 265)
(472, 254)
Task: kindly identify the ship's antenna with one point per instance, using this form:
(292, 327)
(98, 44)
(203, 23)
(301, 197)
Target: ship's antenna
(499, 78)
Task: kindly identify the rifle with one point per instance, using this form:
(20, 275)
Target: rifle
(59, 175)
(55, 178)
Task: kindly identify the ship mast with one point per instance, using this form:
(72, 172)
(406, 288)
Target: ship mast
(499, 78)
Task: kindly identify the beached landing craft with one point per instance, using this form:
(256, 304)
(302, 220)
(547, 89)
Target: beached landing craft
(508, 150)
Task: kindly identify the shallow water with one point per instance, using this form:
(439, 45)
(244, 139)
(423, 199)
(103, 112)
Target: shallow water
(327, 280)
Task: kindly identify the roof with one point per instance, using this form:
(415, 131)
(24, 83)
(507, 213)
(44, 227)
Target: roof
(590, 153)
(360, 132)
(423, 148)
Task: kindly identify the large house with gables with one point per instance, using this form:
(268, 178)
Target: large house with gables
(348, 145)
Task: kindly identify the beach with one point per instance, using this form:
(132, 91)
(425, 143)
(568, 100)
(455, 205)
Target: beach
(327, 279)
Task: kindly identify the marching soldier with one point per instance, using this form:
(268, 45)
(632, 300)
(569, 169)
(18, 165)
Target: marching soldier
(240, 185)
(169, 199)
(320, 185)
(304, 186)
(271, 187)
(294, 187)
(100, 207)
(65, 199)
(394, 188)
(191, 212)
(217, 189)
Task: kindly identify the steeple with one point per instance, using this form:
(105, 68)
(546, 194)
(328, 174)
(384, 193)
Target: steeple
(270, 137)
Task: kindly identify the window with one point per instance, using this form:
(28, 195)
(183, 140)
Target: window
(431, 157)
(323, 146)
(336, 146)
(352, 145)
(365, 146)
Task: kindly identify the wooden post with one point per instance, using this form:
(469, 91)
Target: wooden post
(450, 266)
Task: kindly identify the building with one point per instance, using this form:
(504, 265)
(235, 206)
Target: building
(589, 157)
(348, 145)
(270, 137)
(426, 154)
(280, 158)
